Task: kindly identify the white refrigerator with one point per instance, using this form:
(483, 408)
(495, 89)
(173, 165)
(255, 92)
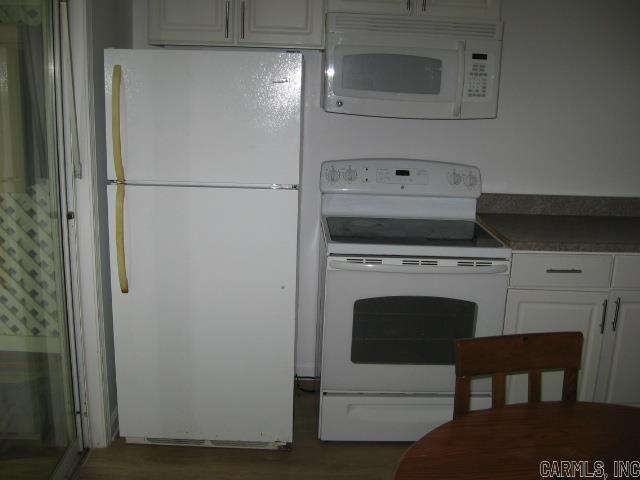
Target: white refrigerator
(203, 167)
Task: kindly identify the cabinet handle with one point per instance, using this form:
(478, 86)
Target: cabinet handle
(424, 5)
(242, 11)
(567, 270)
(604, 315)
(408, 5)
(615, 315)
(226, 20)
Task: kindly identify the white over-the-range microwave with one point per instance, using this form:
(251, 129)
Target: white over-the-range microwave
(412, 67)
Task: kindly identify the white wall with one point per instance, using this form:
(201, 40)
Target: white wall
(568, 121)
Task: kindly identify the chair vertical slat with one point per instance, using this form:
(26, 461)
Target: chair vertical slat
(498, 390)
(507, 354)
(462, 396)
(535, 386)
(570, 385)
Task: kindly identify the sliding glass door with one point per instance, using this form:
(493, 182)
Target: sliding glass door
(37, 412)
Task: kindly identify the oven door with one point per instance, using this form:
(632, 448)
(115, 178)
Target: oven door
(390, 324)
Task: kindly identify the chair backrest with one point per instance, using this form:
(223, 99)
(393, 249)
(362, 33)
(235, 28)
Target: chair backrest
(499, 356)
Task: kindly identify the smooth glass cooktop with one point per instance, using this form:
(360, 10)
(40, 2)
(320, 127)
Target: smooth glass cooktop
(408, 231)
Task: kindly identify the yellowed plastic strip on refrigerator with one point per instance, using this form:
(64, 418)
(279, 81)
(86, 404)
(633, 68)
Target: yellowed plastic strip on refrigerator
(122, 266)
(116, 81)
(115, 122)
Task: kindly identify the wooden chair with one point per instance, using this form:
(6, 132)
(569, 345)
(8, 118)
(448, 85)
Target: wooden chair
(499, 356)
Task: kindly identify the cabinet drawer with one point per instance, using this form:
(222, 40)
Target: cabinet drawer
(560, 270)
(626, 271)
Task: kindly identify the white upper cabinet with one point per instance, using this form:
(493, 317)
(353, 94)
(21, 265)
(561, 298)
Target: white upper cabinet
(459, 8)
(437, 8)
(372, 6)
(197, 22)
(259, 23)
(281, 22)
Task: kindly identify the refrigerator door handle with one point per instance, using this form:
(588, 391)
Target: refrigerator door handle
(122, 266)
(119, 168)
(115, 123)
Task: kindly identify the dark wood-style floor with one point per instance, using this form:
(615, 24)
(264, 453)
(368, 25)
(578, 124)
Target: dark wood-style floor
(309, 458)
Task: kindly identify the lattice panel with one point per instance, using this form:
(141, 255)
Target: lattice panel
(20, 14)
(28, 286)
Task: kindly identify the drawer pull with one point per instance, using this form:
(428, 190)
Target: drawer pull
(566, 270)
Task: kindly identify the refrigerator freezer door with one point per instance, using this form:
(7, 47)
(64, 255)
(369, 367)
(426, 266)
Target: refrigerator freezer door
(201, 117)
(204, 339)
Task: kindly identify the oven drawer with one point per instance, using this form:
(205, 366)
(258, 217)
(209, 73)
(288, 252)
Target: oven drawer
(389, 418)
(560, 270)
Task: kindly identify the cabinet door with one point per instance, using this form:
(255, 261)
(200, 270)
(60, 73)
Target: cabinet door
(372, 6)
(618, 379)
(198, 22)
(533, 311)
(459, 8)
(281, 22)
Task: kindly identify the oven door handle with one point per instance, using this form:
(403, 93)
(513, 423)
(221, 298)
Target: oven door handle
(375, 267)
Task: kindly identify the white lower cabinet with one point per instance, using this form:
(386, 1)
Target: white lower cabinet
(534, 311)
(596, 294)
(618, 378)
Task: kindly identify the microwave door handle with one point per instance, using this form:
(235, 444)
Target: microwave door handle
(424, 269)
(457, 108)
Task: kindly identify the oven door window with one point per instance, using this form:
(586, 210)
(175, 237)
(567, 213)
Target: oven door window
(410, 330)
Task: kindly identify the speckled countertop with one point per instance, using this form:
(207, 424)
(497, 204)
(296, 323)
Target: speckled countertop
(557, 223)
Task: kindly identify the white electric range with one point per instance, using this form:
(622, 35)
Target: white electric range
(407, 271)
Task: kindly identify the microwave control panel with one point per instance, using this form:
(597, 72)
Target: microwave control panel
(399, 177)
(480, 75)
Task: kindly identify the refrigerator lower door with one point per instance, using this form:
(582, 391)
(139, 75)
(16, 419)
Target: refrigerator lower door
(204, 339)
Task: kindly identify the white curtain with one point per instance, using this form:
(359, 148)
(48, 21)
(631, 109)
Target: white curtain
(23, 153)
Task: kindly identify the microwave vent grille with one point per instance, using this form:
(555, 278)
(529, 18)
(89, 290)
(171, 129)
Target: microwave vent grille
(355, 260)
(423, 26)
(376, 261)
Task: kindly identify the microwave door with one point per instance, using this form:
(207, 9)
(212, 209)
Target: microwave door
(396, 82)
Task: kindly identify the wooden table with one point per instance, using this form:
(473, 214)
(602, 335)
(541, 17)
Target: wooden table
(510, 442)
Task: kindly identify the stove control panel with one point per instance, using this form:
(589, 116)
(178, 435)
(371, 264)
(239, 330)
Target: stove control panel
(395, 176)
(411, 176)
